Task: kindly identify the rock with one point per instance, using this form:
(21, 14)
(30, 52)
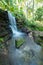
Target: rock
(5, 30)
(38, 37)
(25, 30)
(3, 15)
(4, 59)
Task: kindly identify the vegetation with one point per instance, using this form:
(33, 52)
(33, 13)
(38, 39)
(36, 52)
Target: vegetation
(29, 15)
(19, 42)
(27, 12)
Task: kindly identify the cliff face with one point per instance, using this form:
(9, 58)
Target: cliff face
(5, 30)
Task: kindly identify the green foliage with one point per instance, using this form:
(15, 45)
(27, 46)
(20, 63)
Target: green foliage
(39, 14)
(1, 39)
(23, 12)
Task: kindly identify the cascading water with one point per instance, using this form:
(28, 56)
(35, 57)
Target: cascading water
(13, 26)
(13, 52)
(12, 21)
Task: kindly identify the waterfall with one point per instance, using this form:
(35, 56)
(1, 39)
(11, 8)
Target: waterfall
(28, 54)
(13, 26)
(12, 21)
(12, 51)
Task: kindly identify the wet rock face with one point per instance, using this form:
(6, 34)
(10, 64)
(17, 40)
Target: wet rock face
(5, 30)
(38, 37)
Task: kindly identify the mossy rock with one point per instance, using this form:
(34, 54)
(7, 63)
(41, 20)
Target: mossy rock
(38, 37)
(19, 42)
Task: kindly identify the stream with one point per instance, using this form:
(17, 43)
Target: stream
(28, 54)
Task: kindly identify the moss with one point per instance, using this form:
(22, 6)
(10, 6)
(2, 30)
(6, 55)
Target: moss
(40, 41)
(1, 39)
(38, 37)
(19, 42)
